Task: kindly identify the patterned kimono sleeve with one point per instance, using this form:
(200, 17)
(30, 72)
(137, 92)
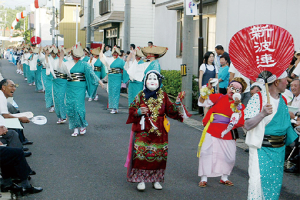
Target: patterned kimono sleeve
(90, 75)
(253, 107)
(171, 109)
(241, 121)
(134, 117)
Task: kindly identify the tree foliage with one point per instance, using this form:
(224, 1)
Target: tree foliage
(11, 16)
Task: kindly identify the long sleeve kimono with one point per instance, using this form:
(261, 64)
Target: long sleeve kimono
(75, 93)
(32, 60)
(47, 81)
(266, 164)
(216, 153)
(99, 70)
(135, 71)
(149, 146)
(59, 86)
(114, 80)
(85, 59)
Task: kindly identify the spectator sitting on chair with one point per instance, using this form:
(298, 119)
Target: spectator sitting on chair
(14, 165)
(7, 89)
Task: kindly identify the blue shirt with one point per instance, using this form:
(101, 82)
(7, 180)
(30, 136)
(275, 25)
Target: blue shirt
(224, 75)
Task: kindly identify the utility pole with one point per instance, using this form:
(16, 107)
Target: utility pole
(53, 23)
(127, 25)
(187, 58)
(88, 26)
(56, 23)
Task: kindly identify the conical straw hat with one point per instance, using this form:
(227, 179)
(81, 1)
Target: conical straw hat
(160, 51)
(78, 50)
(139, 52)
(96, 51)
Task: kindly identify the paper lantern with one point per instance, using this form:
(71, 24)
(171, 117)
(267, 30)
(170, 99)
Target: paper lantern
(36, 3)
(262, 47)
(22, 15)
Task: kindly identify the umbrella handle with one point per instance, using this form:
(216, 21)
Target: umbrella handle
(267, 91)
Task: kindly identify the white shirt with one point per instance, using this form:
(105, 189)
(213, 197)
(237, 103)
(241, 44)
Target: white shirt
(296, 102)
(209, 67)
(3, 103)
(297, 70)
(2, 122)
(232, 69)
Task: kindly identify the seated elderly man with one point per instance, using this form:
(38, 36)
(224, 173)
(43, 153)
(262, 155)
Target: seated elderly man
(295, 87)
(7, 89)
(10, 138)
(14, 165)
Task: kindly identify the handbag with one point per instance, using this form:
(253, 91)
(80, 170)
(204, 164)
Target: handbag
(166, 124)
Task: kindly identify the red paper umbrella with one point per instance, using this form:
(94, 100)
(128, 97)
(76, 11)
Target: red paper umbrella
(35, 40)
(262, 47)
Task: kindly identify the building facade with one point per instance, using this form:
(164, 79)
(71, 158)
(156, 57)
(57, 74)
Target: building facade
(221, 20)
(67, 26)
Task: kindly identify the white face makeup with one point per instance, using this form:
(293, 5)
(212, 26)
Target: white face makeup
(152, 82)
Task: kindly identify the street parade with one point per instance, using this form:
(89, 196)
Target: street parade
(101, 120)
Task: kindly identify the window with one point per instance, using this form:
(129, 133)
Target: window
(104, 7)
(180, 15)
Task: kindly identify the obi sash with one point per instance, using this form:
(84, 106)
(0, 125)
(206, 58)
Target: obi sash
(214, 118)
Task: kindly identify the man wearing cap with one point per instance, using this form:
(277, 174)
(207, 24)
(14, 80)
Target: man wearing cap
(269, 130)
(115, 66)
(80, 75)
(99, 70)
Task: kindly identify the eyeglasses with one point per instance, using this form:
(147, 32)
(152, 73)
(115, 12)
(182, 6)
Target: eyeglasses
(236, 89)
(14, 86)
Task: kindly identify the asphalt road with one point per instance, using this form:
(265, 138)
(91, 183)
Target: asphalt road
(92, 166)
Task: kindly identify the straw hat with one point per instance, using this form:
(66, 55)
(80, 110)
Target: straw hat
(78, 50)
(139, 52)
(160, 51)
(95, 51)
(116, 49)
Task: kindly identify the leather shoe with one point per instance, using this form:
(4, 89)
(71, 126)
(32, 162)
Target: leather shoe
(27, 154)
(27, 142)
(14, 188)
(32, 190)
(25, 149)
(293, 169)
(32, 173)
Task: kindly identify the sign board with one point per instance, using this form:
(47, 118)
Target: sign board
(190, 7)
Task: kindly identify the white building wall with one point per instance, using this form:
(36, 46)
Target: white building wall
(165, 28)
(96, 8)
(118, 5)
(142, 22)
(234, 15)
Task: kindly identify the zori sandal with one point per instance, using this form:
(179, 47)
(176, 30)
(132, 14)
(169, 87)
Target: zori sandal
(227, 183)
(202, 184)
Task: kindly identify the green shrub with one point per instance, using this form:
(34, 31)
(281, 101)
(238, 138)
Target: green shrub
(172, 85)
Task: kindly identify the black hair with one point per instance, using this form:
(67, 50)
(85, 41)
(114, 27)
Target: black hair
(255, 86)
(133, 46)
(225, 57)
(128, 52)
(150, 42)
(206, 56)
(3, 82)
(121, 51)
(219, 47)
